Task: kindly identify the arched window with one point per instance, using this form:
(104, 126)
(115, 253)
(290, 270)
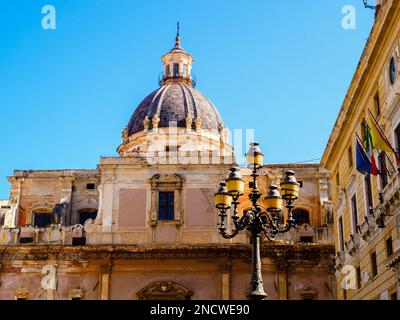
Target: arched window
(301, 216)
(85, 214)
(42, 217)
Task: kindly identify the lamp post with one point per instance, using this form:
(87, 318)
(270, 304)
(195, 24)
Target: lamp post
(256, 221)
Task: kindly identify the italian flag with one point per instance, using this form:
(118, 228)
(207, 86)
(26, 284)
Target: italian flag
(369, 149)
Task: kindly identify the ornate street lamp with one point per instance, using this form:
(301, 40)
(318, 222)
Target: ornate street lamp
(256, 221)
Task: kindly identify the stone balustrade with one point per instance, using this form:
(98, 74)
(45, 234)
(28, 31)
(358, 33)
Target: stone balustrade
(55, 234)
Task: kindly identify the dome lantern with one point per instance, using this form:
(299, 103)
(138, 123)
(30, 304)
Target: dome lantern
(176, 111)
(177, 64)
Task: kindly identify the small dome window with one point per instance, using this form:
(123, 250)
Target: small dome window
(392, 70)
(176, 70)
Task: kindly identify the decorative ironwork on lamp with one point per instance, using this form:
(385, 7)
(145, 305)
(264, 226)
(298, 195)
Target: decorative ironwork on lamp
(256, 221)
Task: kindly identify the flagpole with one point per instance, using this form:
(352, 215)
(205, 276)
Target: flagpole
(362, 146)
(372, 150)
(387, 157)
(360, 141)
(383, 135)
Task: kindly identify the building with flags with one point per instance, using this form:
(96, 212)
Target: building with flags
(362, 156)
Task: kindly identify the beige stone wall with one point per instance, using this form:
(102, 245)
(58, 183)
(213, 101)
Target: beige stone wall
(125, 195)
(32, 190)
(119, 273)
(126, 198)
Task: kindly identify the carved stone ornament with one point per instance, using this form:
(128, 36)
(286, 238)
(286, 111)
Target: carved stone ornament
(197, 124)
(146, 124)
(164, 290)
(86, 204)
(155, 121)
(77, 229)
(22, 294)
(309, 293)
(29, 229)
(125, 135)
(90, 226)
(76, 294)
(189, 121)
(108, 179)
(166, 181)
(342, 199)
(328, 212)
(238, 251)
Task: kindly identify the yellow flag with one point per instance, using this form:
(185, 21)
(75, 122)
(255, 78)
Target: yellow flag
(378, 141)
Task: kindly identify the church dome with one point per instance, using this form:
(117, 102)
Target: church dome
(173, 104)
(176, 103)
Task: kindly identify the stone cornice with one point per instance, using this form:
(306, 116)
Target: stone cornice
(52, 174)
(298, 252)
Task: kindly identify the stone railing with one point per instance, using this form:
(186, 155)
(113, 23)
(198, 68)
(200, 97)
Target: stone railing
(308, 234)
(324, 234)
(53, 235)
(174, 157)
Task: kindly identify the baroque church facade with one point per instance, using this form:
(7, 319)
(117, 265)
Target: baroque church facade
(143, 225)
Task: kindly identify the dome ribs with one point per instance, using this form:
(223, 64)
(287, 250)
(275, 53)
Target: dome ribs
(174, 102)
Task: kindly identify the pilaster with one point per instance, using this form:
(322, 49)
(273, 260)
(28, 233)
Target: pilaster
(225, 273)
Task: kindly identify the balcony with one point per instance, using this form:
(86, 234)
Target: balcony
(340, 260)
(188, 78)
(389, 201)
(368, 228)
(394, 261)
(353, 244)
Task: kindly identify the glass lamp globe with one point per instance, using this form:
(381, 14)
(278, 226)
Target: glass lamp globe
(222, 199)
(235, 183)
(289, 186)
(254, 156)
(273, 200)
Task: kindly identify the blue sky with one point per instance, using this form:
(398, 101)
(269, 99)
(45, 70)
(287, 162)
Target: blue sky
(279, 67)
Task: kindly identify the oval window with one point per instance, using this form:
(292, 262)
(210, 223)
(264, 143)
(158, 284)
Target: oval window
(392, 71)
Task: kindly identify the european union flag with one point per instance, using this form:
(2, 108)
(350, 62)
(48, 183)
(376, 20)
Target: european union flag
(363, 164)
